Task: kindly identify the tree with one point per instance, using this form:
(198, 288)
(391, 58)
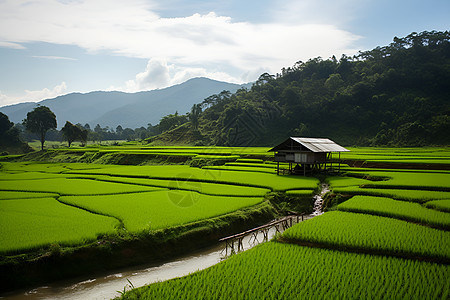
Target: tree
(196, 110)
(74, 132)
(39, 120)
(83, 135)
(171, 121)
(5, 124)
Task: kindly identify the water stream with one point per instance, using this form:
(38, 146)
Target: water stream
(107, 286)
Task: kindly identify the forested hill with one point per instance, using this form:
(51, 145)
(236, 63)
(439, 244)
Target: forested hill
(396, 95)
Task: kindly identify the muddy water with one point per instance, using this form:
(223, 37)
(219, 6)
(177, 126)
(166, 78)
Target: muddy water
(107, 286)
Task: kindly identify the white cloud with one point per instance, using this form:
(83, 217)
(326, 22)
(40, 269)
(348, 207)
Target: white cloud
(177, 48)
(53, 57)
(34, 96)
(156, 75)
(160, 74)
(6, 44)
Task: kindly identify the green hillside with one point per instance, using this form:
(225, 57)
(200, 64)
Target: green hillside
(395, 95)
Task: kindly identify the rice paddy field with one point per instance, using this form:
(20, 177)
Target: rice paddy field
(386, 237)
(389, 240)
(70, 204)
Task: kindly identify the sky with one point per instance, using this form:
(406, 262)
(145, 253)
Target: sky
(54, 47)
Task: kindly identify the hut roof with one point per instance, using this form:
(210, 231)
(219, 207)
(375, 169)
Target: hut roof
(311, 144)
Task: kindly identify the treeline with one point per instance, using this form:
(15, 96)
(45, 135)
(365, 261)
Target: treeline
(40, 124)
(397, 95)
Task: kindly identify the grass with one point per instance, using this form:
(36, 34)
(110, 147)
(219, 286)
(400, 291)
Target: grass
(283, 271)
(27, 224)
(344, 230)
(161, 209)
(398, 209)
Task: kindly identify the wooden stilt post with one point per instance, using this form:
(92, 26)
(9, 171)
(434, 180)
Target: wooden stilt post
(339, 167)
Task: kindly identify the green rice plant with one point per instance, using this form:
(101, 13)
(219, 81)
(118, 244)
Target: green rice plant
(397, 209)
(253, 165)
(27, 224)
(343, 181)
(344, 230)
(161, 209)
(392, 154)
(47, 168)
(27, 176)
(398, 194)
(242, 168)
(442, 205)
(300, 192)
(255, 179)
(216, 157)
(411, 180)
(250, 160)
(192, 185)
(283, 271)
(8, 195)
(33, 167)
(67, 186)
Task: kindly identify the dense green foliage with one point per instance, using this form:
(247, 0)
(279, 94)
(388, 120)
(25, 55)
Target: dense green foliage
(74, 132)
(10, 141)
(392, 95)
(283, 271)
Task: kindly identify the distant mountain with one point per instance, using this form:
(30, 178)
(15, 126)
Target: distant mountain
(126, 109)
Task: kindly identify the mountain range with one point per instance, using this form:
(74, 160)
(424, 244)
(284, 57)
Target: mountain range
(126, 109)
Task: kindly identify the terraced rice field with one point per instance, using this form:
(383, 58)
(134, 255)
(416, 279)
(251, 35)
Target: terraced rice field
(286, 271)
(394, 246)
(73, 204)
(404, 210)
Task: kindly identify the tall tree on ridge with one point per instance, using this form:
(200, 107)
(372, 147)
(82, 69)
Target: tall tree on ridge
(39, 120)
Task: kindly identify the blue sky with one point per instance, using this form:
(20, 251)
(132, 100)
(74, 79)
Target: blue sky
(54, 47)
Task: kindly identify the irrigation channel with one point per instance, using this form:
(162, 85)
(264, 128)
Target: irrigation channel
(108, 286)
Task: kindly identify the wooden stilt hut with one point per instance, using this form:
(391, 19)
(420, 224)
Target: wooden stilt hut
(307, 154)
